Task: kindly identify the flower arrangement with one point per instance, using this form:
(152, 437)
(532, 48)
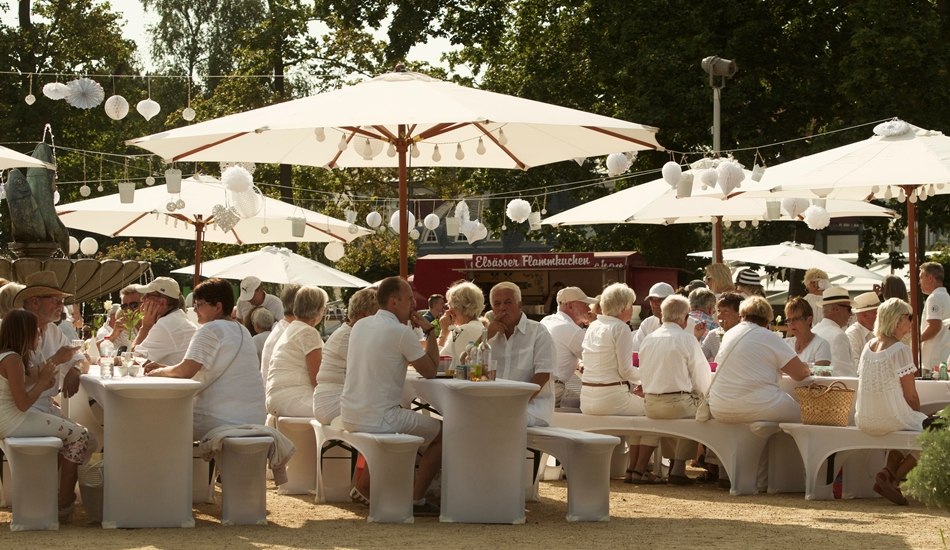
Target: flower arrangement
(131, 319)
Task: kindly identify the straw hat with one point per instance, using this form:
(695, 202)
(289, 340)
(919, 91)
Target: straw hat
(835, 295)
(41, 283)
(866, 302)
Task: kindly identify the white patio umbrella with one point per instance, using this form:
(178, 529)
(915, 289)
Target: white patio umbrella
(792, 255)
(276, 265)
(400, 119)
(655, 202)
(148, 216)
(12, 159)
(900, 159)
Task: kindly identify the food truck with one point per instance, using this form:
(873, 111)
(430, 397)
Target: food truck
(537, 272)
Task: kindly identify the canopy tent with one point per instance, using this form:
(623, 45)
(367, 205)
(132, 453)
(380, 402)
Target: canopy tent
(404, 118)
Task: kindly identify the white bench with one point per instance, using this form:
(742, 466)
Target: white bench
(34, 483)
(301, 468)
(817, 443)
(242, 463)
(738, 446)
(586, 460)
(391, 460)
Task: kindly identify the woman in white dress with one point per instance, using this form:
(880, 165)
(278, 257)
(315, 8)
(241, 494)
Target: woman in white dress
(292, 374)
(887, 398)
(751, 361)
(809, 347)
(460, 324)
(609, 375)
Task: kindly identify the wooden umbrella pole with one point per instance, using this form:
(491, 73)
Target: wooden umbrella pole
(717, 239)
(199, 237)
(912, 273)
(401, 149)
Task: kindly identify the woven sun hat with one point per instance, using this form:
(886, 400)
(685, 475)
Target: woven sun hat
(249, 286)
(573, 294)
(660, 290)
(866, 302)
(41, 283)
(835, 295)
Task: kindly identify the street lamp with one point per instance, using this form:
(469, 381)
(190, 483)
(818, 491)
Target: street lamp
(722, 68)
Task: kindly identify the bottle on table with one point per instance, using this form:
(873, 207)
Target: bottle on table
(943, 372)
(484, 356)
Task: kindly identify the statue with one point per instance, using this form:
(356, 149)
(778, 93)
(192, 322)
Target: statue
(33, 219)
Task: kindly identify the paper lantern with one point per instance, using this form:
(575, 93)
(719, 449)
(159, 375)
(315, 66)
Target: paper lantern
(816, 217)
(236, 179)
(793, 207)
(672, 172)
(84, 93)
(373, 219)
(394, 221)
(88, 246)
(30, 99)
(414, 234)
(246, 204)
(709, 177)
(73, 245)
(116, 107)
(518, 210)
(85, 190)
(617, 163)
(729, 175)
(431, 222)
(148, 108)
(55, 90)
(334, 251)
(188, 114)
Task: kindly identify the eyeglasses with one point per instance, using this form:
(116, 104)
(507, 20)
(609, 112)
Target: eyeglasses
(199, 303)
(795, 319)
(131, 305)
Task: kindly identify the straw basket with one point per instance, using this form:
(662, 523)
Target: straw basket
(825, 405)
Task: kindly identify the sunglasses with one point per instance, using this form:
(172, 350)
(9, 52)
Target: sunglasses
(131, 305)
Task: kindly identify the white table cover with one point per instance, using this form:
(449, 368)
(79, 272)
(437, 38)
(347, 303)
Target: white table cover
(484, 439)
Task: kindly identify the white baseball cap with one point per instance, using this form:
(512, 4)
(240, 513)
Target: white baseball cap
(660, 290)
(249, 286)
(573, 294)
(165, 286)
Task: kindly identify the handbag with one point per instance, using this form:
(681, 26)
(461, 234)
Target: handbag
(703, 413)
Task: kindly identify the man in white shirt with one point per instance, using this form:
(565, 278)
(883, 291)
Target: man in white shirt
(836, 305)
(934, 336)
(566, 330)
(658, 293)
(674, 375)
(522, 350)
(253, 295)
(165, 331)
(42, 296)
(861, 331)
(376, 373)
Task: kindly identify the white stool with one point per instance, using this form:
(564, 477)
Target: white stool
(242, 462)
(6, 496)
(301, 468)
(202, 481)
(334, 467)
(35, 482)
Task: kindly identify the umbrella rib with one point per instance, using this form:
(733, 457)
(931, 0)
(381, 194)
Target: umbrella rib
(208, 146)
(442, 128)
(621, 136)
(327, 232)
(498, 144)
(132, 222)
(336, 157)
(385, 131)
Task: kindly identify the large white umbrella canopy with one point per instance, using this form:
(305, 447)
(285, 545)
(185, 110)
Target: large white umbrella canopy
(655, 202)
(148, 216)
(399, 119)
(272, 264)
(899, 159)
(12, 159)
(792, 255)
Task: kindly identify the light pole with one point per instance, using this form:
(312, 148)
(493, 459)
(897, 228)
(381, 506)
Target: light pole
(722, 68)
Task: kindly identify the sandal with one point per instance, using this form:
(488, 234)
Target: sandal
(648, 478)
(633, 476)
(886, 486)
(357, 496)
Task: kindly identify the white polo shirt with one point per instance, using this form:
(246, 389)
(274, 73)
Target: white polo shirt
(568, 343)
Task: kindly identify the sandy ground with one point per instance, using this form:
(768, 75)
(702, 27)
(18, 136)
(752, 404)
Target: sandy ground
(657, 517)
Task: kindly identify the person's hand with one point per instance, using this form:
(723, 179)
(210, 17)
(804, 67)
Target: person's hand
(700, 330)
(447, 319)
(420, 322)
(70, 383)
(46, 375)
(150, 310)
(64, 354)
(637, 390)
(152, 369)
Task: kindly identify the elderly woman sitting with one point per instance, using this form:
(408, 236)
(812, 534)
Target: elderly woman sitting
(292, 374)
(675, 376)
(460, 322)
(609, 374)
(222, 357)
(809, 347)
(887, 398)
(332, 372)
(751, 362)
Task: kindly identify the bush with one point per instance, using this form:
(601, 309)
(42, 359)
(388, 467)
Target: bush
(929, 481)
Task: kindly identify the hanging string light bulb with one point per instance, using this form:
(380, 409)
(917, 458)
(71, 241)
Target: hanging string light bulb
(480, 149)
(436, 155)
(502, 139)
(459, 153)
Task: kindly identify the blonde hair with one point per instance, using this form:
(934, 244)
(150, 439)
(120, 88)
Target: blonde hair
(362, 303)
(814, 274)
(720, 278)
(467, 298)
(888, 315)
(616, 298)
(757, 310)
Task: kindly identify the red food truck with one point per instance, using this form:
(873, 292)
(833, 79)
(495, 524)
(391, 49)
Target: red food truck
(536, 273)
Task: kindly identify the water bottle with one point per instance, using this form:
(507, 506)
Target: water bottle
(943, 372)
(484, 356)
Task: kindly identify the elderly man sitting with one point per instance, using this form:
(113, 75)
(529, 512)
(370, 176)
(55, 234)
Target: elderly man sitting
(566, 329)
(166, 331)
(522, 350)
(836, 304)
(862, 331)
(674, 375)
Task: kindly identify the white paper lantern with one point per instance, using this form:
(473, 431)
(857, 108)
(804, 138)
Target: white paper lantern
(88, 246)
(188, 114)
(334, 251)
(414, 234)
(394, 221)
(30, 99)
(84, 93)
(730, 175)
(55, 90)
(116, 107)
(149, 180)
(793, 207)
(709, 177)
(236, 179)
(73, 245)
(431, 222)
(672, 172)
(617, 163)
(373, 219)
(518, 210)
(85, 191)
(148, 108)
(816, 217)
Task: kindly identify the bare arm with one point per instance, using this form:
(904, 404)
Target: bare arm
(796, 369)
(12, 369)
(934, 326)
(314, 358)
(188, 368)
(909, 389)
(428, 364)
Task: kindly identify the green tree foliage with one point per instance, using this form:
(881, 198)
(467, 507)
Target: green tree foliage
(374, 257)
(163, 260)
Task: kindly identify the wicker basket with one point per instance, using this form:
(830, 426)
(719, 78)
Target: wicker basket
(825, 405)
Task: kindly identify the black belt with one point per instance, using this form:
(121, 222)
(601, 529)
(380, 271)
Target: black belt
(596, 385)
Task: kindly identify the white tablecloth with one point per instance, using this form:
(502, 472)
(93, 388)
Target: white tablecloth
(484, 443)
(147, 450)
